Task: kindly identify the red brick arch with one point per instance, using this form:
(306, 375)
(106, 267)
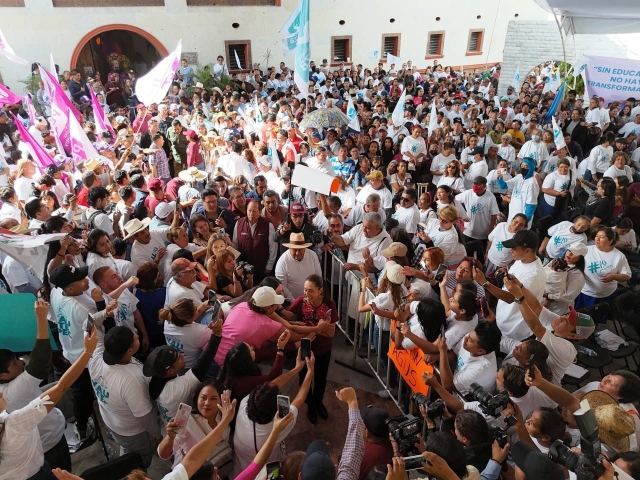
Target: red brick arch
(116, 26)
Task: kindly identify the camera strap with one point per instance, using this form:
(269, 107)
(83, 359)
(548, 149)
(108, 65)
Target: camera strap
(255, 441)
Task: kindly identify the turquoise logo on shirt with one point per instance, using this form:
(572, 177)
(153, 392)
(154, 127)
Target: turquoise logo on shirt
(175, 344)
(595, 266)
(154, 254)
(64, 326)
(100, 387)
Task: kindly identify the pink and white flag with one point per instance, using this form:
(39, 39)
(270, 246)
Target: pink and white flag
(102, 123)
(37, 151)
(81, 146)
(61, 108)
(8, 52)
(31, 110)
(7, 97)
(153, 87)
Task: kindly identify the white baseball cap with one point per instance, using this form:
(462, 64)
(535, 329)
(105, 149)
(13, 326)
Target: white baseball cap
(164, 209)
(266, 296)
(394, 273)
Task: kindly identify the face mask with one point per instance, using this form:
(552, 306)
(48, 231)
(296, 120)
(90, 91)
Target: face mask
(535, 138)
(524, 171)
(477, 189)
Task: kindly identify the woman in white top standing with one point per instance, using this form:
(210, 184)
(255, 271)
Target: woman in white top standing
(620, 167)
(497, 256)
(599, 158)
(25, 176)
(446, 235)
(181, 330)
(557, 184)
(452, 177)
(606, 266)
(506, 150)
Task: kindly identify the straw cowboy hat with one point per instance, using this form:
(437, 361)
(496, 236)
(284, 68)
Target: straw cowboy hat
(191, 174)
(614, 423)
(134, 226)
(296, 240)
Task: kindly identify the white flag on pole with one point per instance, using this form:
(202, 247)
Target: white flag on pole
(558, 137)
(374, 56)
(398, 112)
(235, 52)
(8, 52)
(353, 115)
(81, 146)
(516, 79)
(393, 60)
(291, 30)
(273, 153)
(52, 67)
(433, 118)
(153, 87)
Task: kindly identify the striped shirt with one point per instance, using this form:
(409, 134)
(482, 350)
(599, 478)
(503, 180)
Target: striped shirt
(159, 159)
(343, 169)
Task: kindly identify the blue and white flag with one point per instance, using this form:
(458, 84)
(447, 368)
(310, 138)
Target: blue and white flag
(516, 79)
(374, 56)
(290, 29)
(552, 83)
(235, 52)
(353, 115)
(393, 60)
(558, 137)
(303, 51)
(556, 103)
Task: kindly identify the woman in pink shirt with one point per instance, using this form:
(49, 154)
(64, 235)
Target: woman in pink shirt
(194, 157)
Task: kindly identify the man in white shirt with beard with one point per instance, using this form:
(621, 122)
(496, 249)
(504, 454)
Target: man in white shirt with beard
(407, 212)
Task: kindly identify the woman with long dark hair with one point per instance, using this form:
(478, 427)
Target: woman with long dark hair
(241, 374)
(312, 307)
(151, 294)
(387, 151)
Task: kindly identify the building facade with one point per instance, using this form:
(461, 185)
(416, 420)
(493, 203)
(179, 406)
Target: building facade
(462, 32)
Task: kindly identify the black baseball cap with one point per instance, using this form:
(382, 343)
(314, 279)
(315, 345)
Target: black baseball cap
(317, 463)
(52, 169)
(374, 419)
(523, 238)
(116, 343)
(478, 151)
(159, 361)
(535, 464)
(64, 275)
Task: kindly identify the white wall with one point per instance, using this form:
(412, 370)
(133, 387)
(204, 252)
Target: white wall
(529, 43)
(39, 28)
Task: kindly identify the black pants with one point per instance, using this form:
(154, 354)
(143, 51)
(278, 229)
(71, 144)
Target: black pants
(316, 392)
(82, 399)
(58, 456)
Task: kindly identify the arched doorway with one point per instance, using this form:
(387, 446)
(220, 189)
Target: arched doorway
(124, 47)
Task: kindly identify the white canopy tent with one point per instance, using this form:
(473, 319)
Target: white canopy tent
(595, 16)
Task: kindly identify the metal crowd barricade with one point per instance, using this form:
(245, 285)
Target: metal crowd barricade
(348, 283)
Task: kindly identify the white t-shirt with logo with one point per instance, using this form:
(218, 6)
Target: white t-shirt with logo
(415, 146)
(508, 316)
(457, 330)
(176, 391)
(122, 392)
(599, 264)
(480, 210)
(498, 254)
(439, 164)
(71, 312)
(481, 370)
(141, 254)
(127, 304)
(561, 236)
(599, 159)
(175, 292)
(556, 182)
(189, 340)
(408, 218)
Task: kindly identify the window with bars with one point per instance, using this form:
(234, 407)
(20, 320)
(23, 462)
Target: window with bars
(475, 41)
(341, 49)
(435, 45)
(241, 48)
(390, 45)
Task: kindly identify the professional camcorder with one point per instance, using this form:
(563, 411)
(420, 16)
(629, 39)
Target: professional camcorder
(434, 408)
(492, 405)
(405, 430)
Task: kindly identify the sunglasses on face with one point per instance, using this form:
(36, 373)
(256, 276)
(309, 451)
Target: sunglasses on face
(405, 199)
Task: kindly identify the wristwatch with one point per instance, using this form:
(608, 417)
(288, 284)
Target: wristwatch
(519, 300)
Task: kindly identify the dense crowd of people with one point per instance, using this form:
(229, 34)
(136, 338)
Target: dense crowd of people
(191, 270)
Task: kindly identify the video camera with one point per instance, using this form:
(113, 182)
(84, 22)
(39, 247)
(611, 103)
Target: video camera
(247, 268)
(587, 465)
(405, 429)
(492, 405)
(434, 408)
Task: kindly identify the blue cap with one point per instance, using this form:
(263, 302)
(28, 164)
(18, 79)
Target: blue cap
(317, 463)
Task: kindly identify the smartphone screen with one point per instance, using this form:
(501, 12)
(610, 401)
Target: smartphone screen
(273, 470)
(414, 463)
(212, 297)
(283, 405)
(442, 270)
(182, 416)
(90, 324)
(305, 348)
